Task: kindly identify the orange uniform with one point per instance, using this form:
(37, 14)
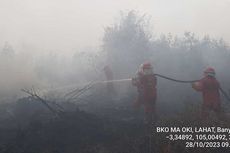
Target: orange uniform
(146, 81)
(149, 92)
(209, 87)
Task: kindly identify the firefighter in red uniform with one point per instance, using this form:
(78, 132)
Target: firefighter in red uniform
(145, 81)
(209, 87)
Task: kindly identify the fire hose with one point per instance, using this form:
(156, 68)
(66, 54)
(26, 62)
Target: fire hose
(171, 79)
(175, 80)
(158, 75)
(191, 81)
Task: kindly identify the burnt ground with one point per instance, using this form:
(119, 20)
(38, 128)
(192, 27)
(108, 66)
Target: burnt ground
(26, 126)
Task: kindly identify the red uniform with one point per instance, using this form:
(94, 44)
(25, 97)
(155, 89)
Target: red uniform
(209, 87)
(148, 87)
(147, 93)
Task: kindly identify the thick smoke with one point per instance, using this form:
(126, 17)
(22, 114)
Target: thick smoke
(125, 45)
(130, 42)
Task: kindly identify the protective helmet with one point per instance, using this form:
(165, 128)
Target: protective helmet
(210, 72)
(146, 65)
(147, 68)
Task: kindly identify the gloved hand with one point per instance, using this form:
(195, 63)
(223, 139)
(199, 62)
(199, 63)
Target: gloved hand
(197, 86)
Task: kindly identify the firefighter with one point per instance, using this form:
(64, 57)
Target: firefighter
(209, 87)
(145, 81)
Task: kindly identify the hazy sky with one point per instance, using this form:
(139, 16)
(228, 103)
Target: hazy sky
(69, 24)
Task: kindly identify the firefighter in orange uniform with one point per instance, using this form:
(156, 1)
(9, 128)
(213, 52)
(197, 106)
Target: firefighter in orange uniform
(209, 87)
(145, 81)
